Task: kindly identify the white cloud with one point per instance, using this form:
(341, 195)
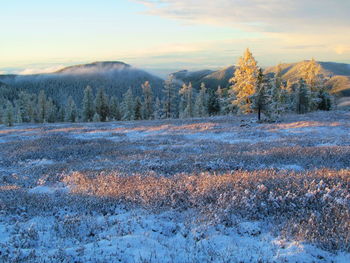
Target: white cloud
(261, 15)
(342, 49)
(40, 70)
(316, 26)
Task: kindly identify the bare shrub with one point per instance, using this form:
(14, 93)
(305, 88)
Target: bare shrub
(312, 206)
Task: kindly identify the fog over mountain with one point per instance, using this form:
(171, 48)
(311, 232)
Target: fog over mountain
(113, 76)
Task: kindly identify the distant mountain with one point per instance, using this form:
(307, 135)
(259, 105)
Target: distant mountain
(113, 76)
(212, 79)
(338, 74)
(95, 67)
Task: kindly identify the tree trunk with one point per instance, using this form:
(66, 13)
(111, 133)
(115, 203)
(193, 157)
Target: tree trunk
(259, 114)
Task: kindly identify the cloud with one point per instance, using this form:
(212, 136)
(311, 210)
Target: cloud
(40, 70)
(258, 15)
(342, 49)
(298, 25)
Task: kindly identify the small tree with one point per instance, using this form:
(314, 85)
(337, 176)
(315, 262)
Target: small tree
(128, 106)
(302, 97)
(157, 114)
(24, 106)
(42, 107)
(138, 109)
(201, 104)
(88, 105)
(213, 103)
(114, 111)
(71, 110)
(169, 91)
(325, 99)
(51, 111)
(101, 104)
(147, 104)
(225, 101)
(187, 107)
(96, 117)
(61, 114)
(261, 99)
(310, 71)
(9, 115)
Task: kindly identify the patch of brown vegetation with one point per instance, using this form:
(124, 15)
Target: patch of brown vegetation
(312, 206)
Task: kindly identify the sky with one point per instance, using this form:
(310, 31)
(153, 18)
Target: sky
(162, 36)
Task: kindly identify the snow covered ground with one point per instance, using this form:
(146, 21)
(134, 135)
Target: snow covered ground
(43, 220)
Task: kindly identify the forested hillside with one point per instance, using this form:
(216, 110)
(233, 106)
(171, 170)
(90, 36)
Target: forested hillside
(113, 77)
(104, 91)
(212, 79)
(338, 75)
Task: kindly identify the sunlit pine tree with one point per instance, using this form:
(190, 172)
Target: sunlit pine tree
(244, 82)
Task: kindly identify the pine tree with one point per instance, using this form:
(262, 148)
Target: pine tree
(19, 118)
(276, 108)
(128, 106)
(51, 111)
(302, 97)
(324, 98)
(310, 72)
(147, 101)
(224, 101)
(88, 105)
(61, 114)
(32, 113)
(213, 103)
(2, 112)
(9, 114)
(114, 111)
(201, 104)
(96, 117)
(24, 105)
(101, 103)
(42, 107)
(169, 91)
(138, 109)
(71, 110)
(245, 81)
(187, 107)
(261, 99)
(286, 97)
(278, 77)
(157, 114)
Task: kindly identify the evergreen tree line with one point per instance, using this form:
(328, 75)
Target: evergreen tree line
(251, 91)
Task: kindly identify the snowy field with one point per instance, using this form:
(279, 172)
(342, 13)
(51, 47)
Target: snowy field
(223, 189)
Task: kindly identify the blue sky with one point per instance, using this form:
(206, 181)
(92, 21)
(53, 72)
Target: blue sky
(166, 35)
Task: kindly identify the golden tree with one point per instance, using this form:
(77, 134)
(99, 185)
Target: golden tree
(244, 82)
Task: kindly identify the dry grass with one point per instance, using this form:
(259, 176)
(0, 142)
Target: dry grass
(313, 206)
(221, 168)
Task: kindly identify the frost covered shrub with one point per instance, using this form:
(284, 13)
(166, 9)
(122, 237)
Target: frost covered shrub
(312, 205)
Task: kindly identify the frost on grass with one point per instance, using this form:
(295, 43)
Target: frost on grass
(223, 189)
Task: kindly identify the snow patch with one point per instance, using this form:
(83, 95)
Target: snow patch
(49, 190)
(37, 162)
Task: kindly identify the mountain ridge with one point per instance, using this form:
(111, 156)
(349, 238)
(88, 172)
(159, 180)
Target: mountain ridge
(338, 74)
